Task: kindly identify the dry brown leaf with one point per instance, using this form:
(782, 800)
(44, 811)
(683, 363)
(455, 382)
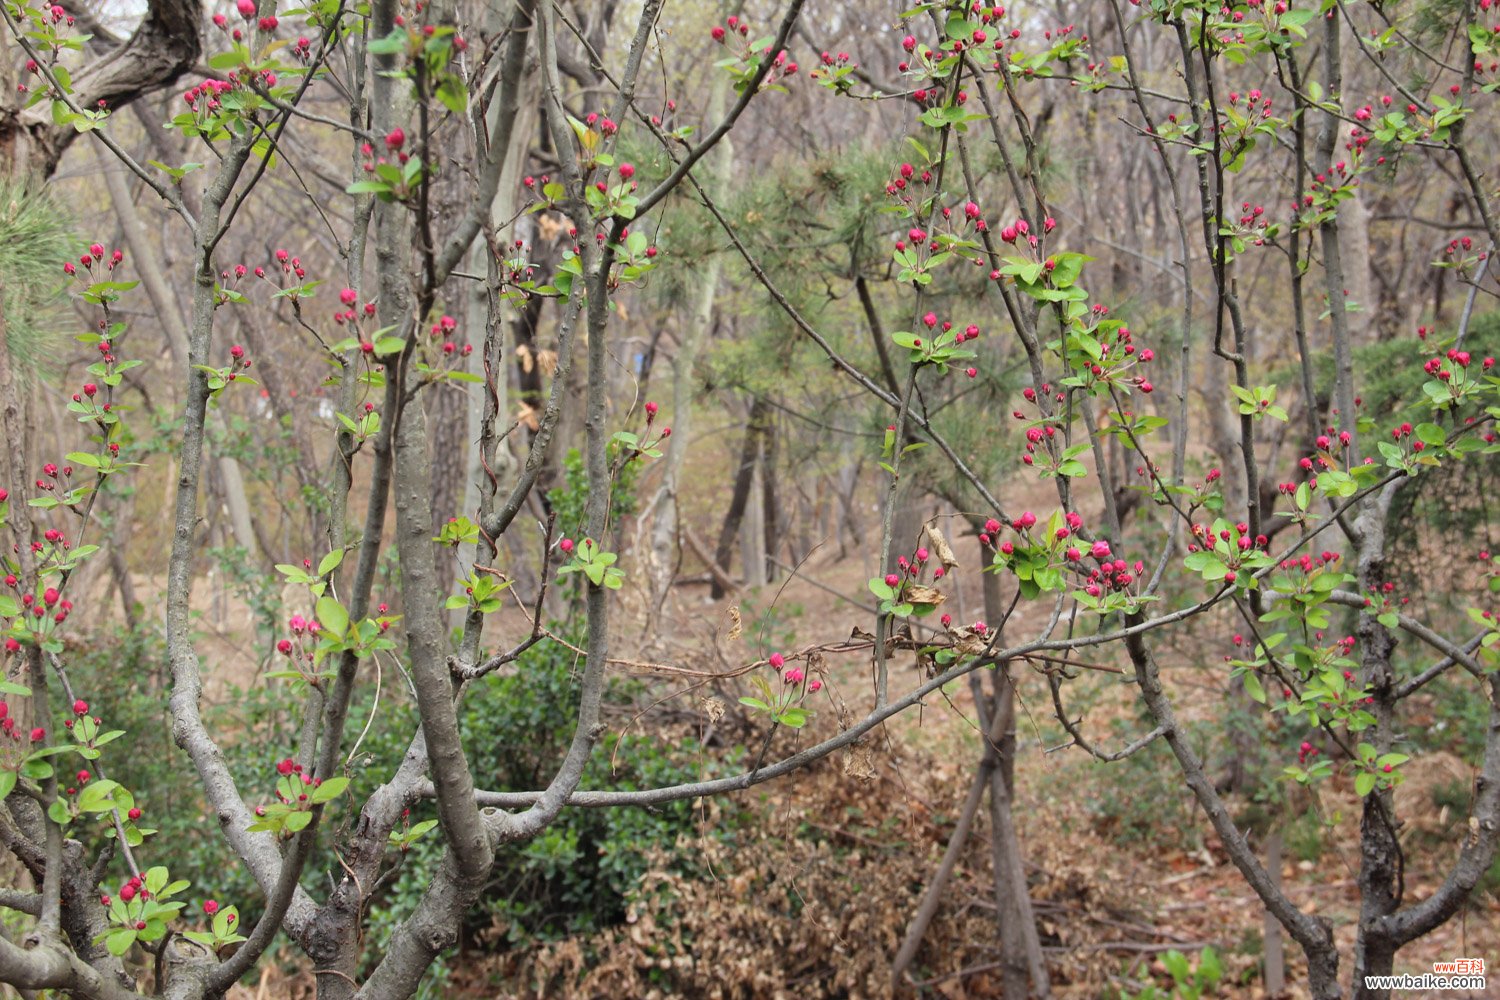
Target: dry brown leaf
(714, 708)
(528, 362)
(969, 642)
(736, 624)
(548, 227)
(940, 546)
(859, 763)
(918, 594)
(547, 361)
(526, 414)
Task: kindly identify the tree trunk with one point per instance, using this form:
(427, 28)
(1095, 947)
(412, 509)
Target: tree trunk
(1023, 970)
(448, 417)
(753, 528)
(744, 473)
(1275, 950)
(661, 557)
(770, 530)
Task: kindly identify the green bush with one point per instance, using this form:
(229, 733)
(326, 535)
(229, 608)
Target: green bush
(576, 877)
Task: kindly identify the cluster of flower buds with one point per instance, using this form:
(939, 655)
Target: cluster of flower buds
(792, 676)
(8, 729)
(204, 98)
(51, 473)
(238, 362)
(443, 330)
(1112, 573)
(907, 174)
(93, 258)
(346, 313)
(605, 125)
(287, 768)
(518, 268)
(129, 890)
(735, 25)
(1386, 593)
(49, 603)
(289, 265)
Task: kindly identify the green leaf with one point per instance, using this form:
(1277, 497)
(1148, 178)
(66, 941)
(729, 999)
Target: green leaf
(156, 879)
(332, 616)
(394, 43)
(297, 820)
(794, 717)
(229, 60)
(96, 797)
(1253, 687)
(1364, 783)
(118, 942)
(329, 790)
(1429, 434)
(330, 562)
(7, 783)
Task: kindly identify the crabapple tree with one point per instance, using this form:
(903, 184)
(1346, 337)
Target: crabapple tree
(1257, 150)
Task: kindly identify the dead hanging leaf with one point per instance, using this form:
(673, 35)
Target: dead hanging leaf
(547, 361)
(548, 227)
(941, 547)
(526, 414)
(859, 763)
(736, 625)
(528, 361)
(969, 642)
(713, 708)
(918, 594)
